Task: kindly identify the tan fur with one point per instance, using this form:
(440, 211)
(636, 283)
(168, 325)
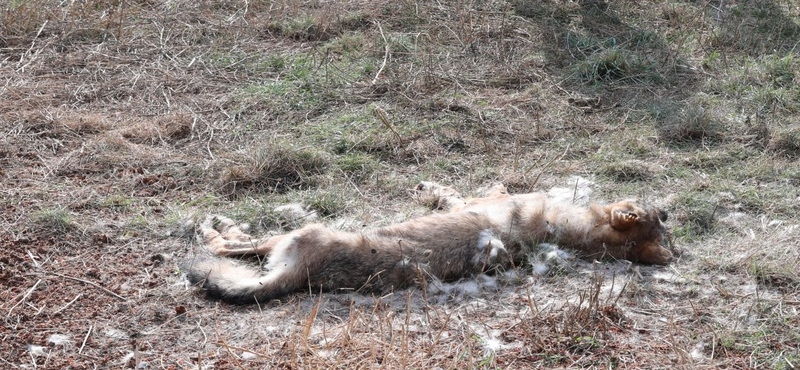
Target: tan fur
(475, 236)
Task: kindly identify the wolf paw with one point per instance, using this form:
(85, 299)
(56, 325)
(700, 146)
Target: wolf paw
(437, 196)
(495, 189)
(435, 190)
(217, 223)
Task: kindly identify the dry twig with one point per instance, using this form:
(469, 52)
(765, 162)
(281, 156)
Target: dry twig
(92, 284)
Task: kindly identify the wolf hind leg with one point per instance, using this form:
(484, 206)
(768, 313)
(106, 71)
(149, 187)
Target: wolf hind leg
(223, 237)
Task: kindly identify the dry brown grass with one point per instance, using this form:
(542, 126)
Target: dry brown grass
(274, 167)
(120, 120)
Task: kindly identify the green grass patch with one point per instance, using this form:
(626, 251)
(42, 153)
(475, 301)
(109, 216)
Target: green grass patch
(117, 202)
(615, 64)
(696, 215)
(774, 199)
(357, 166)
(760, 82)
(755, 28)
(56, 221)
(316, 27)
(328, 203)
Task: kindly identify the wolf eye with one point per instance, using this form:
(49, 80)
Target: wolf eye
(662, 215)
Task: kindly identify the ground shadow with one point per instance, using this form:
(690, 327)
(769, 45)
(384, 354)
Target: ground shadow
(600, 54)
(597, 51)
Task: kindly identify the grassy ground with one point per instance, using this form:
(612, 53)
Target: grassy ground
(122, 119)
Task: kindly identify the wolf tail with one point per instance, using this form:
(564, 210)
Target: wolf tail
(237, 283)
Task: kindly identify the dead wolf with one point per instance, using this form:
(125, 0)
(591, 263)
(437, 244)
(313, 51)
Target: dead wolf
(473, 236)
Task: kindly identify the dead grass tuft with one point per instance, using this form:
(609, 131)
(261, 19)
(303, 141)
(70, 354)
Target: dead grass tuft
(690, 125)
(274, 167)
(756, 134)
(169, 128)
(786, 142)
(106, 152)
(783, 278)
(627, 171)
(575, 335)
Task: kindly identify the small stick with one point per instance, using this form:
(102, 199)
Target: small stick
(229, 347)
(85, 338)
(68, 304)
(33, 43)
(92, 284)
(28, 293)
(385, 120)
(312, 316)
(205, 338)
(33, 258)
(547, 165)
(385, 54)
(208, 144)
(575, 192)
(235, 358)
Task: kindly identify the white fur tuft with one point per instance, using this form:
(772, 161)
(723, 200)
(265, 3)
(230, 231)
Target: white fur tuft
(36, 351)
(59, 340)
(550, 259)
(487, 240)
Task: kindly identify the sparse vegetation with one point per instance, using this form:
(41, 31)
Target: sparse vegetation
(121, 118)
(697, 215)
(329, 203)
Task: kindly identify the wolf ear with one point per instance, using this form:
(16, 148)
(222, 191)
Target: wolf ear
(622, 219)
